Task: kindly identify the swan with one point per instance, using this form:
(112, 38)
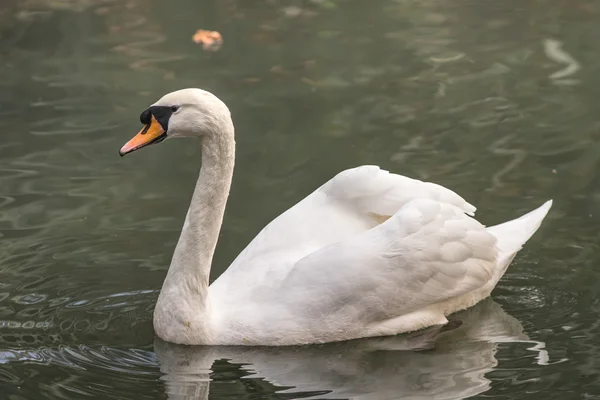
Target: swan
(369, 253)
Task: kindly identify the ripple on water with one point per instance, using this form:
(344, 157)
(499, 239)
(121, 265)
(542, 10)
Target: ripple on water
(121, 318)
(66, 370)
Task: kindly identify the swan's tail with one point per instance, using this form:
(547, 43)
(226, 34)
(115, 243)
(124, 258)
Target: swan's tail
(512, 235)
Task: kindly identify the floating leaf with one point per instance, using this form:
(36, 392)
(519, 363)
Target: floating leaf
(210, 40)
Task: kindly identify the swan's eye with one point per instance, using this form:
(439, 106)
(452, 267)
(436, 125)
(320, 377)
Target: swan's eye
(174, 108)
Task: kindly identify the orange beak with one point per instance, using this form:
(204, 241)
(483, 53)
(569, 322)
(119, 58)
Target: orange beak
(150, 134)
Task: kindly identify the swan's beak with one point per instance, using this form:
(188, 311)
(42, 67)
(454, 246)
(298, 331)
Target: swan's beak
(152, 133)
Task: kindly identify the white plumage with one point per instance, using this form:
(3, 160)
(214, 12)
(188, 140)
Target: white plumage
(369, 253)
(327, 269)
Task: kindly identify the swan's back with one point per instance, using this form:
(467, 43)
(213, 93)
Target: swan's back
(367, 254)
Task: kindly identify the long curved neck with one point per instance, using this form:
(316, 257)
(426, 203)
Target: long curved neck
(190, 265)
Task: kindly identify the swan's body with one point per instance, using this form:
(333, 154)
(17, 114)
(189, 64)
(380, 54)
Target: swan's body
(367, 254)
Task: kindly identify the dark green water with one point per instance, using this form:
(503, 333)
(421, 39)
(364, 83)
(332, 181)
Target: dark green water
(464, 93)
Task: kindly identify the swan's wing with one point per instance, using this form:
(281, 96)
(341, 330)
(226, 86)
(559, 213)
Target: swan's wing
(370, 190)
(352, 202)
(426, 253)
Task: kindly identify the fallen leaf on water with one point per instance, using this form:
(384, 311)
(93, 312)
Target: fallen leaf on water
(210, 40)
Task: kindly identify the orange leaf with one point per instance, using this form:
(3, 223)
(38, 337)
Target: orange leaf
(210, 40)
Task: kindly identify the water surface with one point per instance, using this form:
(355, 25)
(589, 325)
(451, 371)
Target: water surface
(496, 100)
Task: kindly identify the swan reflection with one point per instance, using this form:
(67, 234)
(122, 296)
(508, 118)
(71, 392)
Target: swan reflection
(437, 363)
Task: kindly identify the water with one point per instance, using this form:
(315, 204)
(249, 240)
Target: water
(469, 94)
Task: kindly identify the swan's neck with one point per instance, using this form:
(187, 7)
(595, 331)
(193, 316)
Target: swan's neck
(194, 252)
(184, 296)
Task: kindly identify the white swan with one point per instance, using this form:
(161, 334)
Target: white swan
(367, 254)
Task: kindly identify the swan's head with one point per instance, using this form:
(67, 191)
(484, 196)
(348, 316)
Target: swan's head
(186, 112)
